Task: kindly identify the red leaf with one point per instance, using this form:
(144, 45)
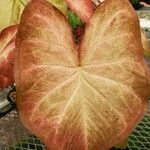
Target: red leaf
(83, 8)
(7, 51)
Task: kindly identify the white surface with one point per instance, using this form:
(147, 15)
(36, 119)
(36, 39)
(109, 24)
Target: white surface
(144, 23)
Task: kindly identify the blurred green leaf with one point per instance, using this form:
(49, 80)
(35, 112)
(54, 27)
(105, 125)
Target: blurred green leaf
(135, 1)
(73, 19)
(60, 4)
(147, 53)
(11, 10)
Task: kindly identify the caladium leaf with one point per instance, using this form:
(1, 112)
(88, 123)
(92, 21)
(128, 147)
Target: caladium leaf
(83, 8)
(81, 99)
(7, 51)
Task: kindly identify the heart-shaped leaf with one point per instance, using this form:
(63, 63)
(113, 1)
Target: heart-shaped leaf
(7, 51)
(81, 99)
